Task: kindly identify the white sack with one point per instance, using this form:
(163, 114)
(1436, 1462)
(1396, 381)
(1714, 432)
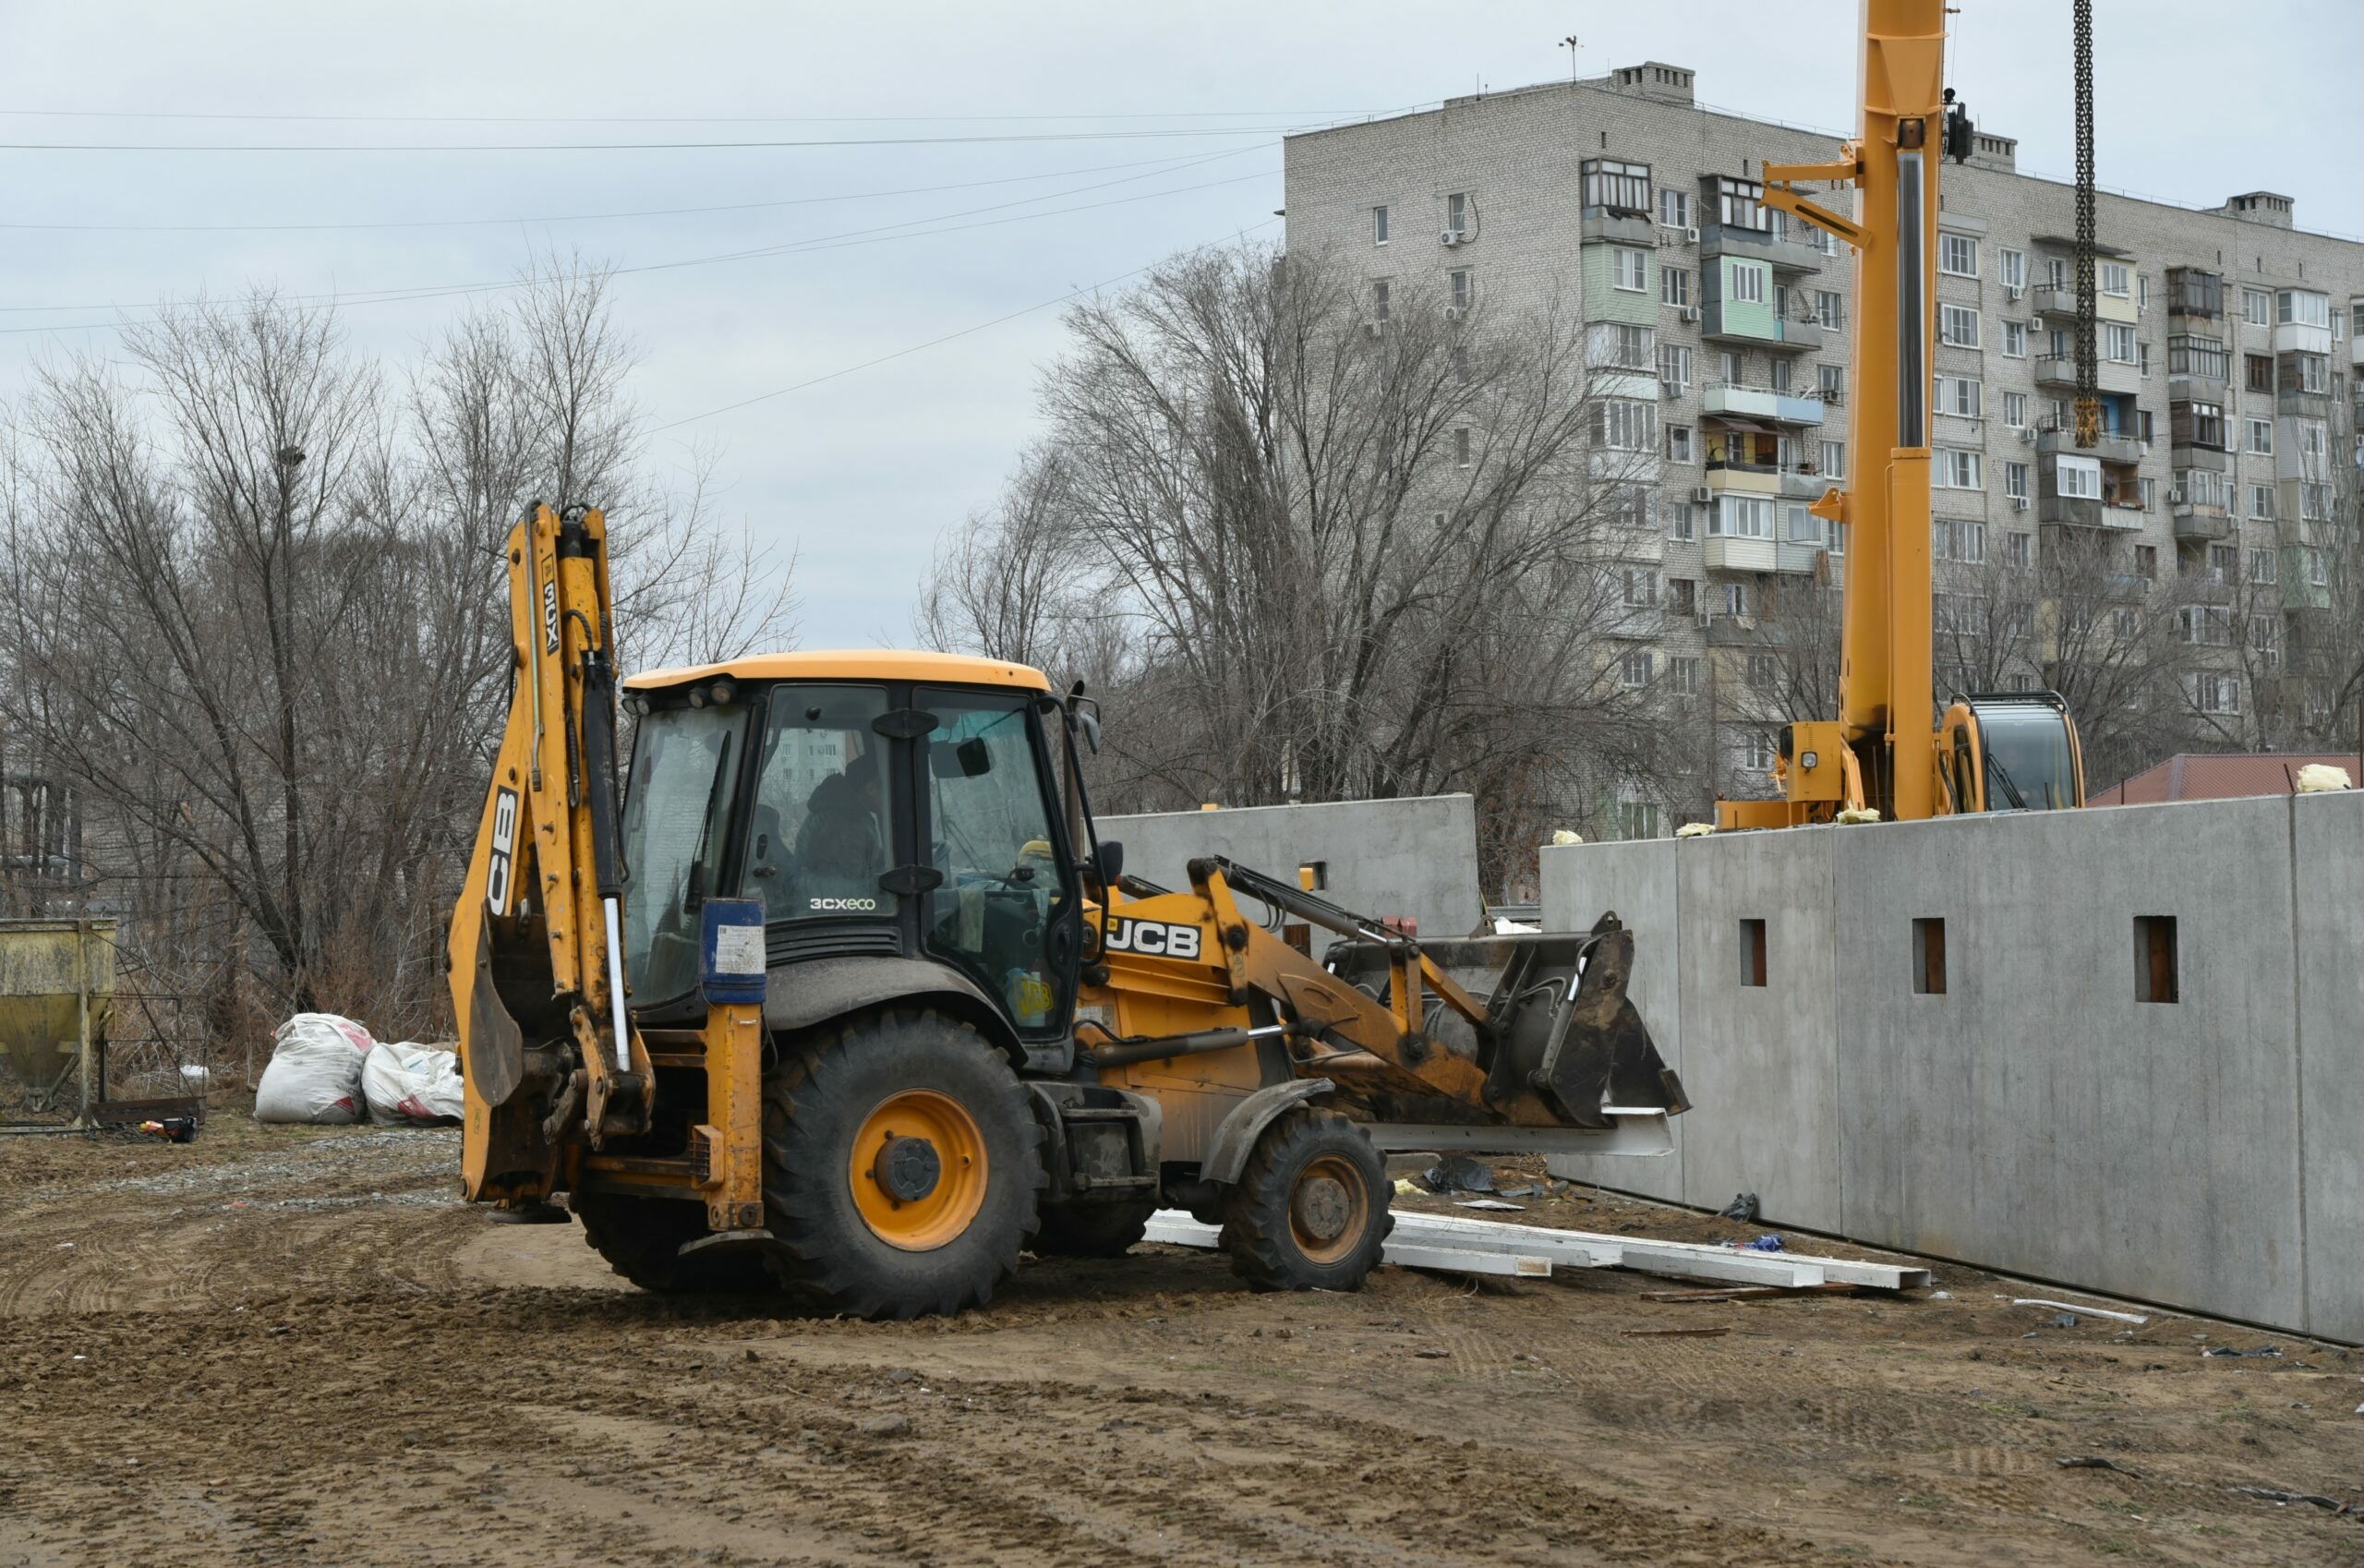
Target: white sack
(315, 1071)
(409, 1082)
(2317, 776)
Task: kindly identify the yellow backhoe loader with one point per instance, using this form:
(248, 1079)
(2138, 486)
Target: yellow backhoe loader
(841, 993)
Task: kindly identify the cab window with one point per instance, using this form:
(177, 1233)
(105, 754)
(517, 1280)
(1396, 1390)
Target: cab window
(1002, 894)
(819, 839)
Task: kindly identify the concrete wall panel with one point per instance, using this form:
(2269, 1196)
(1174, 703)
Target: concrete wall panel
(1415, 856)
(2327, 840)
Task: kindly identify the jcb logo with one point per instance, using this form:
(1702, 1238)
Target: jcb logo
(1153, 938)
(505, 850)
(550, 616)
(851, 906)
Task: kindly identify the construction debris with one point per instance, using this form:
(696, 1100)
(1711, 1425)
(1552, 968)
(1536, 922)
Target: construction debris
(2136, 1319)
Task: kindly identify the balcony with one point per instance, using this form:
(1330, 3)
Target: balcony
(1797, 557)
(1635, 622)
(2303, 404)
(1738, 401)
(2203, 587)
(2198, 520)
(2298, 593)
(2049, 301)
(1602, 223)
(1755, 326)
(1743, 478)
(2208, 457)
(1758, 244)
(1725, 552)
(2052, 441)
(2354, 347)
(2070, 511)
(2060, 372)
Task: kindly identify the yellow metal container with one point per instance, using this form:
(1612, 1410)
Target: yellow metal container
(57, 993)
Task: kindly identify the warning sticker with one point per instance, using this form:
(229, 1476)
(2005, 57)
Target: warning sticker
(739, 949)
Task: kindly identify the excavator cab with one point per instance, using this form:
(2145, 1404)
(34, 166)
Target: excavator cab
(2008, 751)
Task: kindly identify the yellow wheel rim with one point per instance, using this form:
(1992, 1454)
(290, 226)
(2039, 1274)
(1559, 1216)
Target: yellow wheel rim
(1329, 1209)
(918, 1170)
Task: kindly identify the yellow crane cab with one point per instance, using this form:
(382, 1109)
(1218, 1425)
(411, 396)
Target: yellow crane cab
(2008, 751)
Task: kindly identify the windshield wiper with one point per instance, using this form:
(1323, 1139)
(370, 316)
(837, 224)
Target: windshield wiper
(694, 886)
(2003, 775)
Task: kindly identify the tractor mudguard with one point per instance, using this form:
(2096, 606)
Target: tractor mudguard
(1227, 1154)
(814, 992)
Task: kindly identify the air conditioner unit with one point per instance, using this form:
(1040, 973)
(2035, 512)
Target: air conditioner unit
(1450, 239)
(1702, 495)
(1454, 312)
(1690, 237)
(1690, 313)
(1373, 329)
(2014, 291)
(2027, 435)
(2174, 498)
(2019, 504)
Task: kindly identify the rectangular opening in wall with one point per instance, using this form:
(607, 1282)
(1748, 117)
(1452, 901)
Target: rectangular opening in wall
(2154, 960)
(1752, 952)
(1313, 877)
(1929, 957)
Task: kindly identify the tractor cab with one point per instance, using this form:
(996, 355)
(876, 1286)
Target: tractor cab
(877, 805)
(2008, 751)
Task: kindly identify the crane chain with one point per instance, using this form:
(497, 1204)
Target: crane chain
(2089, 407)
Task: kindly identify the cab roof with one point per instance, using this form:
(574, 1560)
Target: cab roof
(853, 664)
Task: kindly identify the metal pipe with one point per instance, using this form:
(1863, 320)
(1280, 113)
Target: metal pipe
(1129, 1053)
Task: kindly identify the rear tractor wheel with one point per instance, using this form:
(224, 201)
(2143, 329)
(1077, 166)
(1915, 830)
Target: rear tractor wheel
(900, 1167)
(1310, 1211)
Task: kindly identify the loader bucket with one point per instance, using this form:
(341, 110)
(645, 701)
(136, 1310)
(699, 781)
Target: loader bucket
(1559, 1030)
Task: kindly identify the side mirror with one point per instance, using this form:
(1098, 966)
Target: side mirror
(1090, 722)
(1110, 864)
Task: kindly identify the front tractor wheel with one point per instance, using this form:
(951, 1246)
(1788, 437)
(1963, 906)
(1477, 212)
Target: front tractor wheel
(1309, 1213)
(900, 1167)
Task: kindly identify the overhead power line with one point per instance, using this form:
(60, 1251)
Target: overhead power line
(830, 242)
(948, 337)
(680, 119)
(409, 147)
(1168, 164)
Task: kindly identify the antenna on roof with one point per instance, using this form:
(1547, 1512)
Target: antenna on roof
(1569, 43)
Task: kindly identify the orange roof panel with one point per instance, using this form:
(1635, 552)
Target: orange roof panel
(854, 664)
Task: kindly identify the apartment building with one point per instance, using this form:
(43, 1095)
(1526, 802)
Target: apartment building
(1719, 327)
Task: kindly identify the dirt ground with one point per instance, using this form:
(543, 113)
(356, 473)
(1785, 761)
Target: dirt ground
(285, 1346)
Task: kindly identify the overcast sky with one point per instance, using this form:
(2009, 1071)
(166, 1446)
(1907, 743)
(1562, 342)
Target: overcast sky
(1061, 145)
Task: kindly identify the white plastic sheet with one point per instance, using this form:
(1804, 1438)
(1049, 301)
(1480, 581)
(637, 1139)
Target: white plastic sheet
(314, 1074)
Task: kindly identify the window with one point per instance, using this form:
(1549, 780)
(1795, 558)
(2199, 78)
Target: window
(1640, 585)
(2261, 566)
(1461, 445)
(2306, 373)
(1781, 372)
(1806, 528)
(2144, 430)
(1683, 673)
(2118, 343)
(2019, 550)
(2261, 436)
(1674, 365)
(1830, 310)
(2199, 356)
(1379, 225)
(2015, 339)
(1623, 346)
(1634, 668)
(1831, 382)
(1748, 282)
(1378, 299)
(2142, 358)
(1741, 517)
(1758, 753)
(2011, 266)
(1456, 214)
(1740, 205)
(1674, 286)
(1674, 209)
(2262, 502)
(2055, 273)
(1730, 362)
(1679, 522)
(1637, 819)
(1958, 470)
(2338, 325)
(1960, 395)
(2015, 480)
(2198, 424)
(1957, 538)
(1764, 672)
(1464, 288)
(1633, 268)
(2149, 495)
(1832, 460)
(2260, 368)
(1957, 254)
(2318, 575)
(989, 813)
(2304, 307)
(2212, 694)
(2078, 478)
(2225, 564)
(1621, 187)
(1629, 507)
(1735, 599)
(2124, 624)
(2191, 292)
(1928, 958)
(2208, 625)
(1625, 426)
(2015, 410)
(2200, 486)
(1678, 443)
(2257, 308)
(2265, 641)
(2155, 955)
(2114, 280)
(1957, 326)
(2146, 561)
(2019, 619)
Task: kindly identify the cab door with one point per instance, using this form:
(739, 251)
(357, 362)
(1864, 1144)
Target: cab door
(1007, 911)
